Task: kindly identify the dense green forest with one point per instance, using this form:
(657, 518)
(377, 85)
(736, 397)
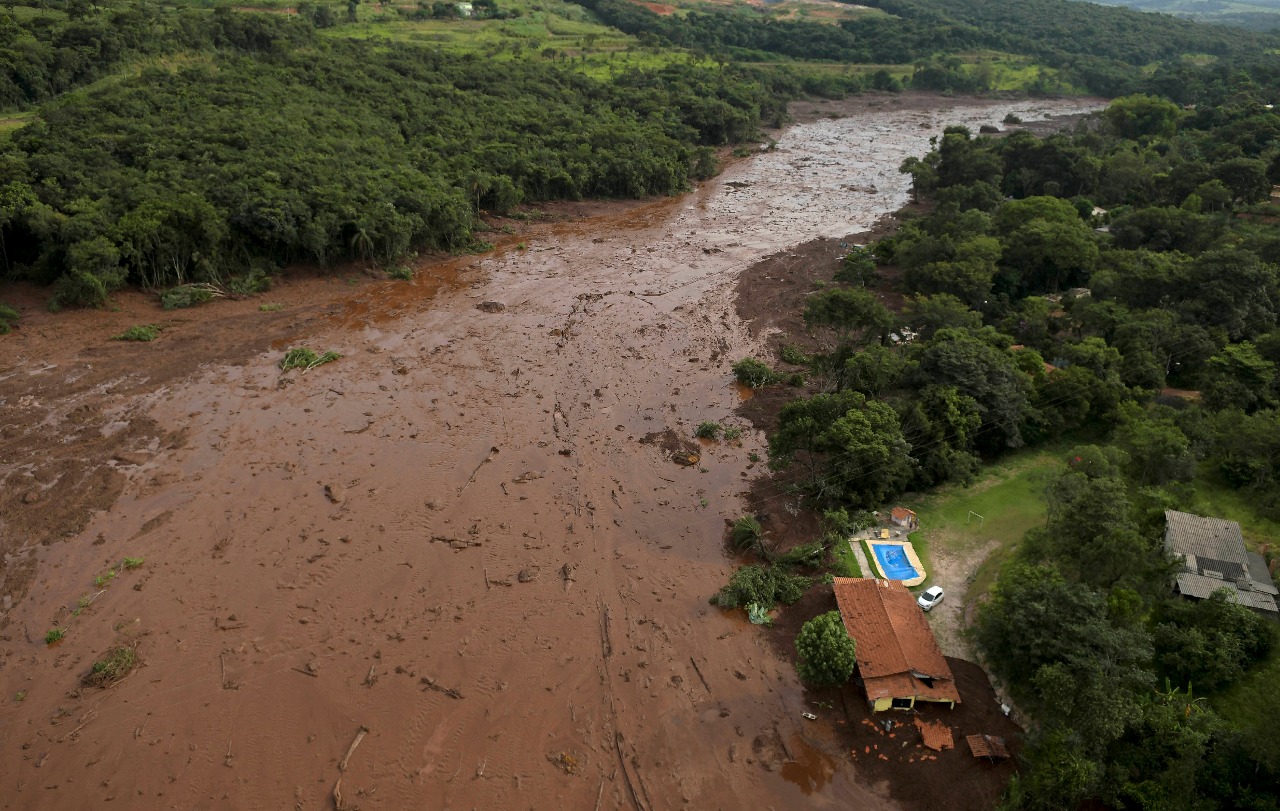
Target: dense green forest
(274, 146)
(156, 145)
(1075, 288)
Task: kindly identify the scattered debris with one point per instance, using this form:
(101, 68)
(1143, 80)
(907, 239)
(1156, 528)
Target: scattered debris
(935, 734)
(342, 767)
(491, 306)
(566, 762)
(432, 684)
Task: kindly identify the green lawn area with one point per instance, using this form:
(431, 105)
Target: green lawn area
(846, 563)
(11, 122)
(1007, 496)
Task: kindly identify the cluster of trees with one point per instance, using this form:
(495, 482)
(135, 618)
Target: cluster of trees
(1027, 317)
(1062, 286)
(319, 150)
(1112, 668)
(72, 42)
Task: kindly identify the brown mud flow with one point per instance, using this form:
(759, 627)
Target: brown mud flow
(455, 537)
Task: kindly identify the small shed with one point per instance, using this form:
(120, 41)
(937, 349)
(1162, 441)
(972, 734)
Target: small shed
(990, 747)
(903, 517)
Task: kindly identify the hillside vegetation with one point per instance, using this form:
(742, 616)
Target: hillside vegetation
(1259, 15)
(1115, 291)
(161, 144)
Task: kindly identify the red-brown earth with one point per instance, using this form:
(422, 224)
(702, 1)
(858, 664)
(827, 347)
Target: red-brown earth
(454, 536)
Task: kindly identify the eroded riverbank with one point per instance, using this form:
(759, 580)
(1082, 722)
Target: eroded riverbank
(465, 502)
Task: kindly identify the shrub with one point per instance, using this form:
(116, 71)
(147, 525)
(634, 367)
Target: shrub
(858, 267)
(843, 523)
(133, 563)
(402, 272)
(54, 635)
(708, 430)
(753, 373)
(8, 316)
(113, 667)
(80, 289)
(827, 653)
(764, 585)
(271, 307)
(732, 433)
(299, 357)
(186, 295)
(252, 283)
(139, 332)
(807, 554)
(1012, 119)
(745, 533)
(792, 354)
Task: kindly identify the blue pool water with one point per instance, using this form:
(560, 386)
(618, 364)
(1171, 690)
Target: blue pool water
(893, 562)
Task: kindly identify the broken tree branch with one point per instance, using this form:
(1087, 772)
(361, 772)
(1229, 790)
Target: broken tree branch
(342, 764)
(432, 684)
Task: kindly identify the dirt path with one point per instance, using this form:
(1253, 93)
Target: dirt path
(453, 537)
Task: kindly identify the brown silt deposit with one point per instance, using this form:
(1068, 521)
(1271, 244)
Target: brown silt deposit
(458, 567)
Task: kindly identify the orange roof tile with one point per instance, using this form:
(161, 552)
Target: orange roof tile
(988, 746)
(901, 512)
(936, 735)
(896, 648)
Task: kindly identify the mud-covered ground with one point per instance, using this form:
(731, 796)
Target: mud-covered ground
(455, 537)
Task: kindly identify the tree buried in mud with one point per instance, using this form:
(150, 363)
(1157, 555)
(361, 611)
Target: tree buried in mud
(754, 373)
(761, 585)
(827, 653)
(305, 359)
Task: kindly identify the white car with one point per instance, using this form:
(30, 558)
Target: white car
(930, 597)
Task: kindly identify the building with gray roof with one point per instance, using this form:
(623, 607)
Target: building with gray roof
(1213, 556)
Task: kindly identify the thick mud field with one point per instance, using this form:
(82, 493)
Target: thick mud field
(468, 536)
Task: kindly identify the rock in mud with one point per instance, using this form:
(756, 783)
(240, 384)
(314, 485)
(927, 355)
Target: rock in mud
(491, 306)
(135, 458)
(335, 493)
(527, 575)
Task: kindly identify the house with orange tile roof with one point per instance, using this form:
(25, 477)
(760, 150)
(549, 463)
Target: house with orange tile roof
(899, 661)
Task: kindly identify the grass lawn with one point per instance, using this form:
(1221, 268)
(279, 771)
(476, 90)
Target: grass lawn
(1008, 496)
(846, 562)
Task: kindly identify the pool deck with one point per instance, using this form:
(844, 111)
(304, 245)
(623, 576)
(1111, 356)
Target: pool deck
(909, 551)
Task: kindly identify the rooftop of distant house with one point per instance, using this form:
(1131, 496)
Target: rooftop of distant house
(1214, 557)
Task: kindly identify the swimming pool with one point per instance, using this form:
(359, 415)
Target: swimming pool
(898, 561)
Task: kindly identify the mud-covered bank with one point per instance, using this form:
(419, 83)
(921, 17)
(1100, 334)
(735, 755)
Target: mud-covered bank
(454, 536)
